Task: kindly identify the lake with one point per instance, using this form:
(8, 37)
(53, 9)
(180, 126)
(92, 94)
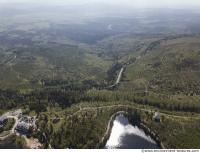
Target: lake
(126, 136)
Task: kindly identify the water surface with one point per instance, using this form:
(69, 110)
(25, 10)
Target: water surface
(126, 136)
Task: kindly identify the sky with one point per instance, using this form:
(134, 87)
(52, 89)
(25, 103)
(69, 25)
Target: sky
(133, 3)
(126, 3)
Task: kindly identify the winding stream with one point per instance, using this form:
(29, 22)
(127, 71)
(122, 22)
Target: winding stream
(126, 136)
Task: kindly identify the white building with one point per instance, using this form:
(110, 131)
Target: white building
(157, 117)
(23, 127)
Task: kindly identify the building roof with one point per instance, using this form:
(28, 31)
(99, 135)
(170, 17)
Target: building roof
(23, 125)
(156, 115)
(3, 118)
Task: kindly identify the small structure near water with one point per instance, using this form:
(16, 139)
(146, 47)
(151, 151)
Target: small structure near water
(157, 117)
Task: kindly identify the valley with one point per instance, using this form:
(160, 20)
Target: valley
(70, 72)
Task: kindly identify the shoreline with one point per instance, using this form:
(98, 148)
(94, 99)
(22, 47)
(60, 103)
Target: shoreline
(152, 134)
(141, 125)
(109, 129)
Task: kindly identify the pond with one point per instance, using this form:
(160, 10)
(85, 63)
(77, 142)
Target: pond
(126, 136)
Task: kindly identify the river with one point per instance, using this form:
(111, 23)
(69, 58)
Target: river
(126, 136)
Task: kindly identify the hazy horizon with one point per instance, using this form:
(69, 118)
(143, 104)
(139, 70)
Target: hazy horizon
(140, 16)
(123, 3)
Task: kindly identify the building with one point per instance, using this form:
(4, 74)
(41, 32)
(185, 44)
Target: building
(23, 127)
(157, 117)
(3, 120)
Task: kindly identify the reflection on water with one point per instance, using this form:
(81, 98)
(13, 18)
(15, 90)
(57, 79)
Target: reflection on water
(124, 135)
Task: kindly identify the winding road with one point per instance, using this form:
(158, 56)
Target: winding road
(14, 115)
(119, 76)
(137, 108)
